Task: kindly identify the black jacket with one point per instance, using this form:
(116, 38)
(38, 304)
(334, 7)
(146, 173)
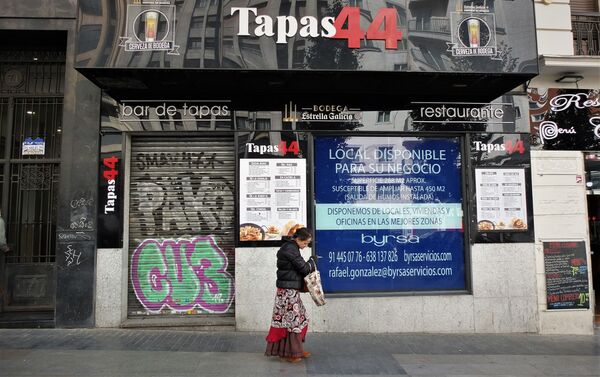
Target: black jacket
(291, 267)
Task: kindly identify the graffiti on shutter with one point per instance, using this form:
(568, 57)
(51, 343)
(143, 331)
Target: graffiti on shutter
(182, 226)
(181, 275)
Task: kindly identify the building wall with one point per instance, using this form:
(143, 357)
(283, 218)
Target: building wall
(79, 155)
(109, 310)
(39, 9)
(504, 298)
(560, 214)
(553, 24)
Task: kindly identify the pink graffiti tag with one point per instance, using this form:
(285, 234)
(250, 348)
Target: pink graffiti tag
(182, 274)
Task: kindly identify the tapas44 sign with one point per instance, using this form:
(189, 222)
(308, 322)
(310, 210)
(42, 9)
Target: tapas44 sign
(346, 25)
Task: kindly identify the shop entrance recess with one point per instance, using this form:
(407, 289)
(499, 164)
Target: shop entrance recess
(592, 170)
(181, 227)
(29, 192)
(31, 108)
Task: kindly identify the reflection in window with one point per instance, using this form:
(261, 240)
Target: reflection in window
(250, 46)
(212, 21)
(517, 112)
(89, 36)
(385, 153)
(195, 43)
(242, 123)
(367, 44)
(537, 117)
(263, 124)
(353, 153)
(197, 22)
(383, 117)
(210, 43)
(424, 55)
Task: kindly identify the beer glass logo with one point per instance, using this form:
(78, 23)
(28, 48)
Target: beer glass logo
(150, 26)
(474, 32)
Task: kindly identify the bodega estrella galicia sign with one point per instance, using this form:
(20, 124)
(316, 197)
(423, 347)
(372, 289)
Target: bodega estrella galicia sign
(320, 113)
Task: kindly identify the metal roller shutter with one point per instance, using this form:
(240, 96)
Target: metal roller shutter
(181, 226)
(584, 5)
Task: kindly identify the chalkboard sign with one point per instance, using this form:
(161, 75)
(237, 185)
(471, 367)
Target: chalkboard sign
(567, 285)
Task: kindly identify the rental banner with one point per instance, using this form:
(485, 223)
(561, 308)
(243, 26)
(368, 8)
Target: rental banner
(389, 214)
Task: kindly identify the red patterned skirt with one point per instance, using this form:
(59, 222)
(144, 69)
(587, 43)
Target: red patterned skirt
(289, 324)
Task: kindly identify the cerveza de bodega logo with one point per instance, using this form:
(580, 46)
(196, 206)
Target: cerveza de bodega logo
(346, 25)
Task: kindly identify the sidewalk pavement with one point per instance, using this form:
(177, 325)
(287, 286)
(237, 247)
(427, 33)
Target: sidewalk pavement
(172, 353)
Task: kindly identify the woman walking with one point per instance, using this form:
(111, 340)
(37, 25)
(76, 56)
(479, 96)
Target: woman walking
(289, 322)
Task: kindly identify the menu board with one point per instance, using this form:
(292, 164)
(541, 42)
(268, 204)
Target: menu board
(567, 285)
(272, 198)
(389, 214)
(501, 200)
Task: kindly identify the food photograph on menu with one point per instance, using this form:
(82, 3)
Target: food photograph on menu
(501, 200)
(272, 198)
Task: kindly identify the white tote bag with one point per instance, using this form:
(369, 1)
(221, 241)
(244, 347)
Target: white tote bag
(313, 284)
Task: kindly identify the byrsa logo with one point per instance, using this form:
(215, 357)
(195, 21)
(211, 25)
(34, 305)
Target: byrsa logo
(388, 238)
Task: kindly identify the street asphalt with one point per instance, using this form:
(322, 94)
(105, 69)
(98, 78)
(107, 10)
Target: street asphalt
(177, 353)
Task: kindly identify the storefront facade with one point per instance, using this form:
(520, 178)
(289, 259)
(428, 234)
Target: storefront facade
(398, 132)
(378, 126)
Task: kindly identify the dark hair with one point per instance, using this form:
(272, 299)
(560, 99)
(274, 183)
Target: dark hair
(302, 234)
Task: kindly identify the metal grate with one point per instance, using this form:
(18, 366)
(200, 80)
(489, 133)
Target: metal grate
(181, 226)
(3, 126)
(38, 78)
(37, 118)
(31, 213)
(586, 33)
(32, 178)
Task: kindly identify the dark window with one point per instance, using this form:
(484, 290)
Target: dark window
(383, 116)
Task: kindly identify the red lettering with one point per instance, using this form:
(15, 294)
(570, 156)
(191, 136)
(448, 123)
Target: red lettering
(352, 32)
(516, 147)
(110, 174)
(384, 27)
(294, 148)
(111, 162)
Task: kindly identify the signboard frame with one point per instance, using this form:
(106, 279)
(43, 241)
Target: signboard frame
(281, 228)
(580, 247)
(465, 231)
(515, 224)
